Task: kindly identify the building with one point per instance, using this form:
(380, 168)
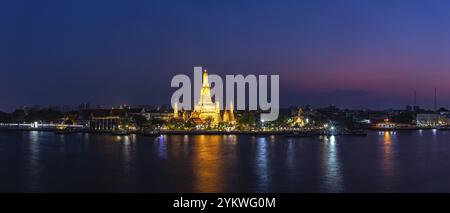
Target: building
(205, 108)
(299, 119)
(105, 123)
(388, 125)
(228, 115)
(140, 112)
(429, 119)
(160, 115)
(104, 119)
(205, 111)
(377, 116)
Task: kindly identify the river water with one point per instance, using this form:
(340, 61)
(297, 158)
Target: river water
(409, 161)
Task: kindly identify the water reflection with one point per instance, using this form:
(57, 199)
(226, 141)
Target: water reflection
(126, 154)
(261, 164)
(333, 174)
(272, 138)
(185, 145)
(290, 156)
(34, 164)
(175, 146)
(207, 164)
(162, 150)
(62, 144)
(225, 163)
(387, 160)
(231, 139)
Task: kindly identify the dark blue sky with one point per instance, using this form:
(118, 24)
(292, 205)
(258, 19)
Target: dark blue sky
(361, 53)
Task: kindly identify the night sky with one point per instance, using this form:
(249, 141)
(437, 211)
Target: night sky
(361, 53)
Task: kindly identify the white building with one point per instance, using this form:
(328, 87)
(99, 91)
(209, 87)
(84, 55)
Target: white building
(429, 119)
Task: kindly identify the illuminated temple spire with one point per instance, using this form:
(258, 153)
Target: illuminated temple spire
(205, 81)
(231, 111)
(206, 109)
(175, 110)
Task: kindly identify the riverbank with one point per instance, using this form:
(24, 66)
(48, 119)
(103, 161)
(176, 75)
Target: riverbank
(288, 133)
(194, 132)
(163, 132)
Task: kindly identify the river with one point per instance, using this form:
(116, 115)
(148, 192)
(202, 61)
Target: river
(409, 161)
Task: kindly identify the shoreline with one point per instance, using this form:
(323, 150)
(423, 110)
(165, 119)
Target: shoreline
(212, 132)
(166, 132)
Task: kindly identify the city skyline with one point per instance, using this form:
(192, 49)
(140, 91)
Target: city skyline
(350, 54)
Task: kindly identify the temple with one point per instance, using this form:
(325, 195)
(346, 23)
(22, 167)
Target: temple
(299, 119)
(206, 111)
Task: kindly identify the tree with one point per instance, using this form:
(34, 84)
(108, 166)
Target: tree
(140, 120)
(443, 109)
(189, 124)
(247, 120)
(18, 116)
(209, 122)
(46, 115)
(5, 117)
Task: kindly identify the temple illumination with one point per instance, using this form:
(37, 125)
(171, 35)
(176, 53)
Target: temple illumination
(206, 109)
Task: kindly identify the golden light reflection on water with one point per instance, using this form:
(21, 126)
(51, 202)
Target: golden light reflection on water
(208, 167)
(387, 158)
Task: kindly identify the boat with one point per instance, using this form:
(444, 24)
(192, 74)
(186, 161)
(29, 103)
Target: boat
(388, 126)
